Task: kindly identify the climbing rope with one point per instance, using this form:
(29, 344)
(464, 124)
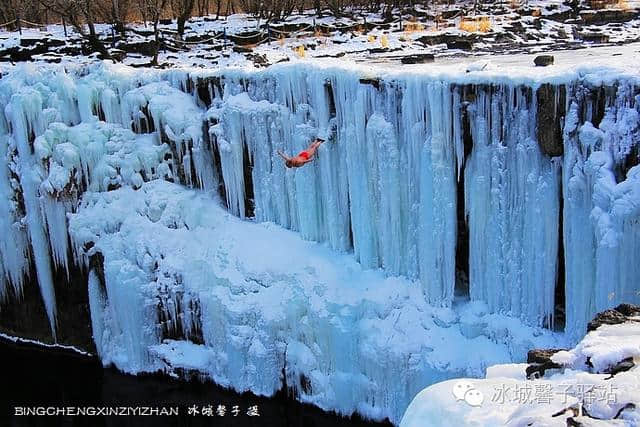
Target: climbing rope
(302, 30)
(34, 24)
(198, 41)
(338, 27)
(246, 37)
(289, 34)
(6, 24)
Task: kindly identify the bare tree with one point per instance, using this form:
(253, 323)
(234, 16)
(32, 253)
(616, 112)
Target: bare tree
(10, 11)
(116, 12)
(336, 6)
(183, 9)
(153, 9)
(15, 10)
(271, 10)
(80, 13)
(203, 7)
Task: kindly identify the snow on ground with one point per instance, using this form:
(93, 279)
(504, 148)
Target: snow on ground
(277, 302)
(579, 390)
(604, 347)
(510, 28)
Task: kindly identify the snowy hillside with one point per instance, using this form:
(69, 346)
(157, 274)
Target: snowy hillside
(443, 29)
(452, 220)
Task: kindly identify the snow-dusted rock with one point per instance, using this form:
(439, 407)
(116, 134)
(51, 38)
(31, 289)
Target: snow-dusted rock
(576, 394)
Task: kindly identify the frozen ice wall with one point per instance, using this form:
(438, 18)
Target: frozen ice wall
(384, 182)
(546, 191)
(542, 232)
(601, 187)
(190, 296)
(512, 205)
(62, 134)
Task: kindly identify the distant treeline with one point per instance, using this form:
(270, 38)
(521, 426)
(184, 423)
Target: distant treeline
(121, 12)
(83, 15)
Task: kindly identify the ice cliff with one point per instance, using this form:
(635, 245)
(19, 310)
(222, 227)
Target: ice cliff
(520, 194)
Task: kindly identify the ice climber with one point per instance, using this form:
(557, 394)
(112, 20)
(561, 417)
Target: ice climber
(305, 156)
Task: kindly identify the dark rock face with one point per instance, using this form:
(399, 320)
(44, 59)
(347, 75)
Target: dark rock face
(418, 58)
(543, 60)
(604, 16)
(208, 88)
(25, 316)
(72, 301)
(452, 41)
(595, 37)
(541, 355)
(621, 314)
(146, 48)
(622, 366)
(249, 204)
(550, 117)
(460, 44)
(540, 361)
(373, 82)
(65, 378)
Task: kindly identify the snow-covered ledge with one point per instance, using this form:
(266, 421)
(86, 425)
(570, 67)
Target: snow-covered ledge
(595, 383)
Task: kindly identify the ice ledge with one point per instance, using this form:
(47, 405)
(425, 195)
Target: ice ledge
(46, 345)
(595, 65)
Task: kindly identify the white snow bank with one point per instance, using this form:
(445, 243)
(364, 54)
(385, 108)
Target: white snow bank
(507, 399)
(603, 348)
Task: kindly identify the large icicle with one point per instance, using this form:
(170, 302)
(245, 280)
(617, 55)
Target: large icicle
(23, 112)
(14, 246)
(602, 205)
(437, 227)
(358, 193)
(512, 204)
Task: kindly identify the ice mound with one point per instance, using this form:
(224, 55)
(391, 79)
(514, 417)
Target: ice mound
(186, 285)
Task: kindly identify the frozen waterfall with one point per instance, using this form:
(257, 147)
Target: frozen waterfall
(540, 174)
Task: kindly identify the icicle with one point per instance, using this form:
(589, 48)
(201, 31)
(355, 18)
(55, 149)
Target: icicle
(438, 199)
(87, 101)
(54, 213)
(23, 112)
(601, 231)
(511, 200)
(14, 245)
(110, 105)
